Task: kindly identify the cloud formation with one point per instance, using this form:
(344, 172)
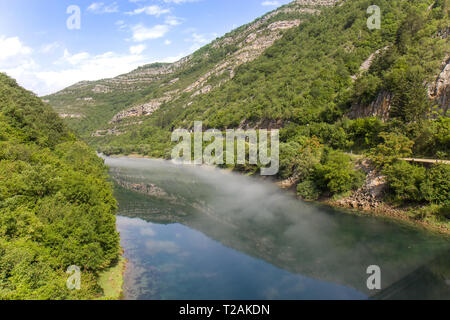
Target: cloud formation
(101, 8)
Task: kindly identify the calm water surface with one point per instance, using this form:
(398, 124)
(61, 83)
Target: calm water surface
(202, 233)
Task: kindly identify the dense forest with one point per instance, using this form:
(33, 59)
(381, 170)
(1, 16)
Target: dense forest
(303, 85)
(56, 205)
(311, 85)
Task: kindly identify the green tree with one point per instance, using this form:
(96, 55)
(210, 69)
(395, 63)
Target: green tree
(436, 186)
(336, 173)
(395, 146)
(405, 181)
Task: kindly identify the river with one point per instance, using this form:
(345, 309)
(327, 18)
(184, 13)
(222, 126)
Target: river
(205, 233)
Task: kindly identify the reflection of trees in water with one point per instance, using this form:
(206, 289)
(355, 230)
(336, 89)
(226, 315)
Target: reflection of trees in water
(301, 238)
(431, 281)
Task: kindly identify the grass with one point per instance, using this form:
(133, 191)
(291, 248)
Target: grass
(111, 280)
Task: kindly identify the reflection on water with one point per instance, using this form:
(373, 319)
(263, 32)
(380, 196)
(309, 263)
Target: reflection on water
(201, 233)
(176, 262)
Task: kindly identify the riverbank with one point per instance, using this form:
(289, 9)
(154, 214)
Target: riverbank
(111, 280)
(364, 201)
(354, 202)
(386, 210)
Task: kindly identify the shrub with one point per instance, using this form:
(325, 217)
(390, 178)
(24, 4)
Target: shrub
(299, 158)
(436, 187)
(308, 190)
(336, 173)
(395, 146)
(404, 181)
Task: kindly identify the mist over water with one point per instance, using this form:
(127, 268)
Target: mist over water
(204, 233)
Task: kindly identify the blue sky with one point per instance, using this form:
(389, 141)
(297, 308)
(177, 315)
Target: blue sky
(44, 55)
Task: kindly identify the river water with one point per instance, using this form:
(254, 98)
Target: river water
(204, 233)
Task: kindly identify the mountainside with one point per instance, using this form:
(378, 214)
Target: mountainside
(292, 66)
(56, 205)
(314, 70)
(90, 106)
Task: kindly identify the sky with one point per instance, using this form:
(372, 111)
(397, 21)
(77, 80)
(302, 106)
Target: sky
(47, 45)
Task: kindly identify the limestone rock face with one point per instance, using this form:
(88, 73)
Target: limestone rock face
(380, 108)
(145, 109)
(439, 91)
(370, 195)
(281, 25)
(70, 116)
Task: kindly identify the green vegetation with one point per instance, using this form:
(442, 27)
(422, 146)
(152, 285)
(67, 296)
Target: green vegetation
(308, 190)
(310, 85)
(336, 173)
(56, 206)
(111, 280)
(414, 183)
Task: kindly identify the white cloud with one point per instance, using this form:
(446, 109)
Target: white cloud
(142, 33)
(51, 47)
(74, 59)
(121, 25)
(270, 3)
(153, 10)
(16, 60)
(138, 49)
(174, 58)
(179, 1)
(173, 21)
(82, 66)
(100, 8)
(12, 48)
(199, 40)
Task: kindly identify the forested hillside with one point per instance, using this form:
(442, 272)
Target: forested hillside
(340, 94)
(112, 107)
(56, 205)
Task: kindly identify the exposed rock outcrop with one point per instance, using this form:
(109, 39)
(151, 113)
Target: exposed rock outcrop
(108, 132)
(70, 116)
(380, 108)
(282, 25)
(101, 89)
(439, 91)
(370, 195)
(365, 66)
(145, 109)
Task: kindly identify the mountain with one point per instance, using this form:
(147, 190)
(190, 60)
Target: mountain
(91, 106)
(56, 205)
(314, 70)
(295, 65)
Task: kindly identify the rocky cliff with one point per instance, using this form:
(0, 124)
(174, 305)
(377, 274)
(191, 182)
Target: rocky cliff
(438, 93)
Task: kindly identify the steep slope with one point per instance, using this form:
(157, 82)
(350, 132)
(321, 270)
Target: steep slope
(56, 206)
(330, 66)
(89, 106)
(332, 86)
